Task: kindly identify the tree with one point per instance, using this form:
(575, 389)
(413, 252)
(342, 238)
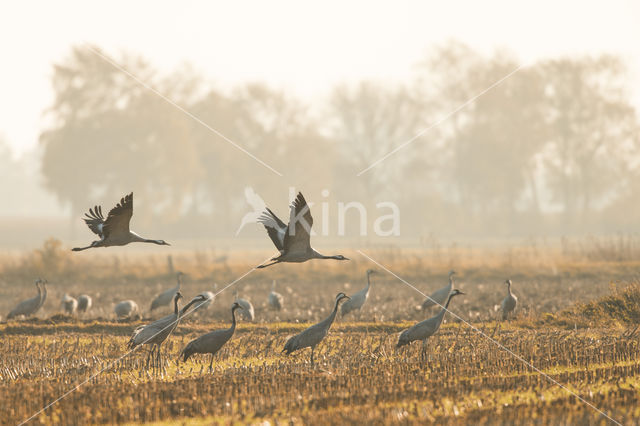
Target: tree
(110, 136)
(494, 133)
(591, 132)
(367, 122)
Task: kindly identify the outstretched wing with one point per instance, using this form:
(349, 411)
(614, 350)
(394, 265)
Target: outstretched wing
(119, 217)
(274, 226)
(297, 238)
(95, 220)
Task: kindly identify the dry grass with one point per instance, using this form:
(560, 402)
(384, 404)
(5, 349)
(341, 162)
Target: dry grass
(573, 313)
(361, 377)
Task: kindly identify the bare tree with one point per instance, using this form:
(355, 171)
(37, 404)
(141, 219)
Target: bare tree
(110, 135)
(591, 132)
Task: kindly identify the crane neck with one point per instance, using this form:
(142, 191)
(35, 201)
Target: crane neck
(135, 238)
(446, 305)
(176, 311)
(317, 255)
(233, 318)
(444, 309)
(368, 281)
(332, 316)
(187, 306)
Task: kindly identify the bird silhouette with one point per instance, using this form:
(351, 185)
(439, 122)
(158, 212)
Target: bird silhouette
(114, 231)
(293, 240)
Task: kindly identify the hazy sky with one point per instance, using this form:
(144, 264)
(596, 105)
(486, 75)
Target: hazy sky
(303, 47)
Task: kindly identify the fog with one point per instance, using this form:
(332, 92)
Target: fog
(475, 144)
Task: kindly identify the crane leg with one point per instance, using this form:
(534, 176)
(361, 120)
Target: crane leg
(211, 364)
(149, 356)
(153, 356)
(268, 264)
(158, 357)
(312, 349)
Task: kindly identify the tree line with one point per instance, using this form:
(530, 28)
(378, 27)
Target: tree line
(553, 148)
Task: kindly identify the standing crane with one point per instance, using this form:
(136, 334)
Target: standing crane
(439, 296)
(213, 341)
(509, 302)
(69, 304)
(292, 240)
(427, 328)
(157, 332)
(126, 308)
(30, 306)
(275, 299)
(246, 312)
(358, 299)
(314, 334)
(84, 303)
(114, 231)
(164, 298)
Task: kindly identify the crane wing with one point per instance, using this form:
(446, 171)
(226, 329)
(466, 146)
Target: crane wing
(275, 228)
(297, 238)
(95, 220)
(119, 217)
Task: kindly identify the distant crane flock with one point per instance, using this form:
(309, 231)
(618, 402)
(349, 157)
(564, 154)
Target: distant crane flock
(292, 241)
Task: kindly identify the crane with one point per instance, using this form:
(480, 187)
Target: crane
(427, 328)
(292, 240)
(358, 299)
(157, 332)
(314, 334)
(509, 302)
(69, 304)
(126, 308)
(439, 296)
(165, 297)
(30, 306)
(247, 312)
(212, 342)
(275, 299)
(84, 303)
(114, 231)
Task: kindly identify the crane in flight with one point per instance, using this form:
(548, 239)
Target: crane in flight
(293, 240)
(114, 230)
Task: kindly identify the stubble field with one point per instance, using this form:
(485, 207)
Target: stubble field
(575, 324)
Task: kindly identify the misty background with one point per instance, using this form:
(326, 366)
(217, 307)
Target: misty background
(550, 151)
